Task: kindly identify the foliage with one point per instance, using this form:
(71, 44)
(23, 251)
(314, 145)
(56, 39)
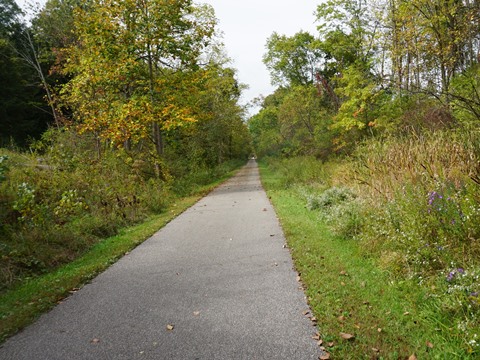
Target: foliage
(293, 60)
(21, 305)
(3, 167)
(143, 84)
(379, 67)
(348, 289)
(293, 121)
(397, 91)
(420, 240)
(60, 200)
(465, 93)
(22, 109)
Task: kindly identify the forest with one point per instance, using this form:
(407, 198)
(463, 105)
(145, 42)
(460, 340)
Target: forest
(110, 111)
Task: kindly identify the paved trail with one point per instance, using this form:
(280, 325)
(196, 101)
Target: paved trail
(218, 273)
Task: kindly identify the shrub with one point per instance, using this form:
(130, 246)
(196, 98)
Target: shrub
(61, 198)
(338, 207)
(3, 167)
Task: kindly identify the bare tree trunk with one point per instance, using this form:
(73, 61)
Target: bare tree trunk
(32, 60)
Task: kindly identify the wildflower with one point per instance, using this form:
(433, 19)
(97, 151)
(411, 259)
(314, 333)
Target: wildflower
(460, 271)
(474, 294)
(451, 276)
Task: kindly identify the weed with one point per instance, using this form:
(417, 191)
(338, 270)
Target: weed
(61, 199)
(413, 210)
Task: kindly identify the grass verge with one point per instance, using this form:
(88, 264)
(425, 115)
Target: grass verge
(21, 305)
(350, 294)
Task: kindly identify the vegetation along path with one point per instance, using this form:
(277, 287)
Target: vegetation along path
(216, 283)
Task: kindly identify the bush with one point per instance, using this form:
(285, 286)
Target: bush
(61, 198)
(338, 207)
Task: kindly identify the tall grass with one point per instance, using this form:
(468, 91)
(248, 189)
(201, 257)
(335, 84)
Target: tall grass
(412, 204)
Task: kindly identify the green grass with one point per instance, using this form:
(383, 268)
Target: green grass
(22, 304)
(349, 293)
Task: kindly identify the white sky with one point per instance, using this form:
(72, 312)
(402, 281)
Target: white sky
(247, 24)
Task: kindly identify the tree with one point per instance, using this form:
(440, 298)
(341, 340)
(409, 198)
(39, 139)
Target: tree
(127, 67)
(293, 60)
(305, 122)
(219, 133)
(22, 110)
(264, 126)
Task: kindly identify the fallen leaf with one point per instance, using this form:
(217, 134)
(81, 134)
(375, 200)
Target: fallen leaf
(343, 273)
(429, 345)
(325, 356)
(264, 209)
(169, 327)
(342, 283)
(306, 312)
(341, 318)
(320, 342)
(299, 278)
(412, 357)
(331, 344)
(379, 330)
(316, 336)
(375, 350)
(95, 341)
(406, 313)
(314, 319)
(346, 336)
(196, 313)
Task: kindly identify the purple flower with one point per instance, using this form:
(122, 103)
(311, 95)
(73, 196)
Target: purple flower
(474, 294)
(460, 270)
(451, 276)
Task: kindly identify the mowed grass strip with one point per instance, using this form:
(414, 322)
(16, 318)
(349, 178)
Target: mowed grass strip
(350, 295)
(21, 305)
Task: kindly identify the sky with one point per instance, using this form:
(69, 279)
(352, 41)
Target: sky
(247, 24)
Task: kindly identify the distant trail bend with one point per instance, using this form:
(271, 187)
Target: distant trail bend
(215, 283)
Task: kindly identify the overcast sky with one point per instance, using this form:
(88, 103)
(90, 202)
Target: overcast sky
(247, 24)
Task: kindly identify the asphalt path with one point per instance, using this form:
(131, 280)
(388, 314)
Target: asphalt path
(215, 283)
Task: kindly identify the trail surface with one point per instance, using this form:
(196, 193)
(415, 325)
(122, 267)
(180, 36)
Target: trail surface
(218, 274)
